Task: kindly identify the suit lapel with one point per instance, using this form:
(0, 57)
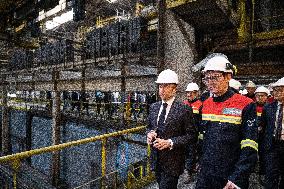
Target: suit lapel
(156, 110)
(274, 109)
(172, 113)
(272, 116)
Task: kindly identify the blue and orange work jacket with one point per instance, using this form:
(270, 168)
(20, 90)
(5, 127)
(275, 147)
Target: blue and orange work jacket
(230, 143)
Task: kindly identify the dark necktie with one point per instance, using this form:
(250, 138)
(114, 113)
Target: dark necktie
(162, 116)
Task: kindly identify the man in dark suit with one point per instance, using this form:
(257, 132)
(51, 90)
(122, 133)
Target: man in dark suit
(170, 129)
(272, 124)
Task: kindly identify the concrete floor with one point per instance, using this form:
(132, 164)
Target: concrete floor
(254, 183)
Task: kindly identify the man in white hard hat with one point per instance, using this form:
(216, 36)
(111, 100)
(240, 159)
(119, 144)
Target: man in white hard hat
(230, 144)
(250, 87)
(261, 97)
(193, 102)
(272, 122)
(235, 84)
(244, 92)
(170, 129)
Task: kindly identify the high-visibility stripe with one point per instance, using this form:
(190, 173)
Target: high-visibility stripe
(258, 114)
(249, 143)
(222, 118)
(195, 111)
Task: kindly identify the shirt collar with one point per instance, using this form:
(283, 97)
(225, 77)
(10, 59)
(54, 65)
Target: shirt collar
(169, 102)
(224, 97)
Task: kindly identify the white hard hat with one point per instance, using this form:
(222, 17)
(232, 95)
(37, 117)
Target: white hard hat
(279, 83)
(218, 63)
(12, 95)
(244, 92)
(200, 65)
(262, 89)
(270, 88)
(250, 84)
(167, 76)
(235, 84)
(192, 87)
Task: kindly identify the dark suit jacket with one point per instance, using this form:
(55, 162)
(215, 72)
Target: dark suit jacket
(267, 122)
(180, 129)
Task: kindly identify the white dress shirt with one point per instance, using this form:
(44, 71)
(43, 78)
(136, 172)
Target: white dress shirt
(169, 102)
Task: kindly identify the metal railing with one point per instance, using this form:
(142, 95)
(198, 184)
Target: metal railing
(15, 159)
(138, 176)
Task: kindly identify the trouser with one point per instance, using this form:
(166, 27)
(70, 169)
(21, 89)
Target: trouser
(261, 162)
(165, 180)
(206, 181)
(274, 167)
(190, 158)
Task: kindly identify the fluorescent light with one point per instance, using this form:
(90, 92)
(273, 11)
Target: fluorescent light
(60, 7)
(58, 20)
(111, 1)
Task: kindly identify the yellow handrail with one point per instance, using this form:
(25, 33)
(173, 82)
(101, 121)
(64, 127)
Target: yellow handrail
(26, 154)
(15, 159)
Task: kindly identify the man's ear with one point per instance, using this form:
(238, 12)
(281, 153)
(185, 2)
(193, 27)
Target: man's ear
(228, 76)
(174, 87)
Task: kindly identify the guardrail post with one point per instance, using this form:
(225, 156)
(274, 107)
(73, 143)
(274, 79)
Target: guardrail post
(141, 171)
(56, 117)
(16, 165)
(148, 166)
(128, 185)
(103, 184)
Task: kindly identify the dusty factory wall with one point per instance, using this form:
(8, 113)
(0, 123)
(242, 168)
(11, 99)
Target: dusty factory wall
(42, 137)
(18, 130)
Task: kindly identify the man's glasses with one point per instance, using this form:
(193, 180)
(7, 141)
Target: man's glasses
(261, 95)
(165, 85)
(278, 89)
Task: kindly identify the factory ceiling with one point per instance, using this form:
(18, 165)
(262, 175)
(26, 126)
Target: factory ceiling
(18, 20)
